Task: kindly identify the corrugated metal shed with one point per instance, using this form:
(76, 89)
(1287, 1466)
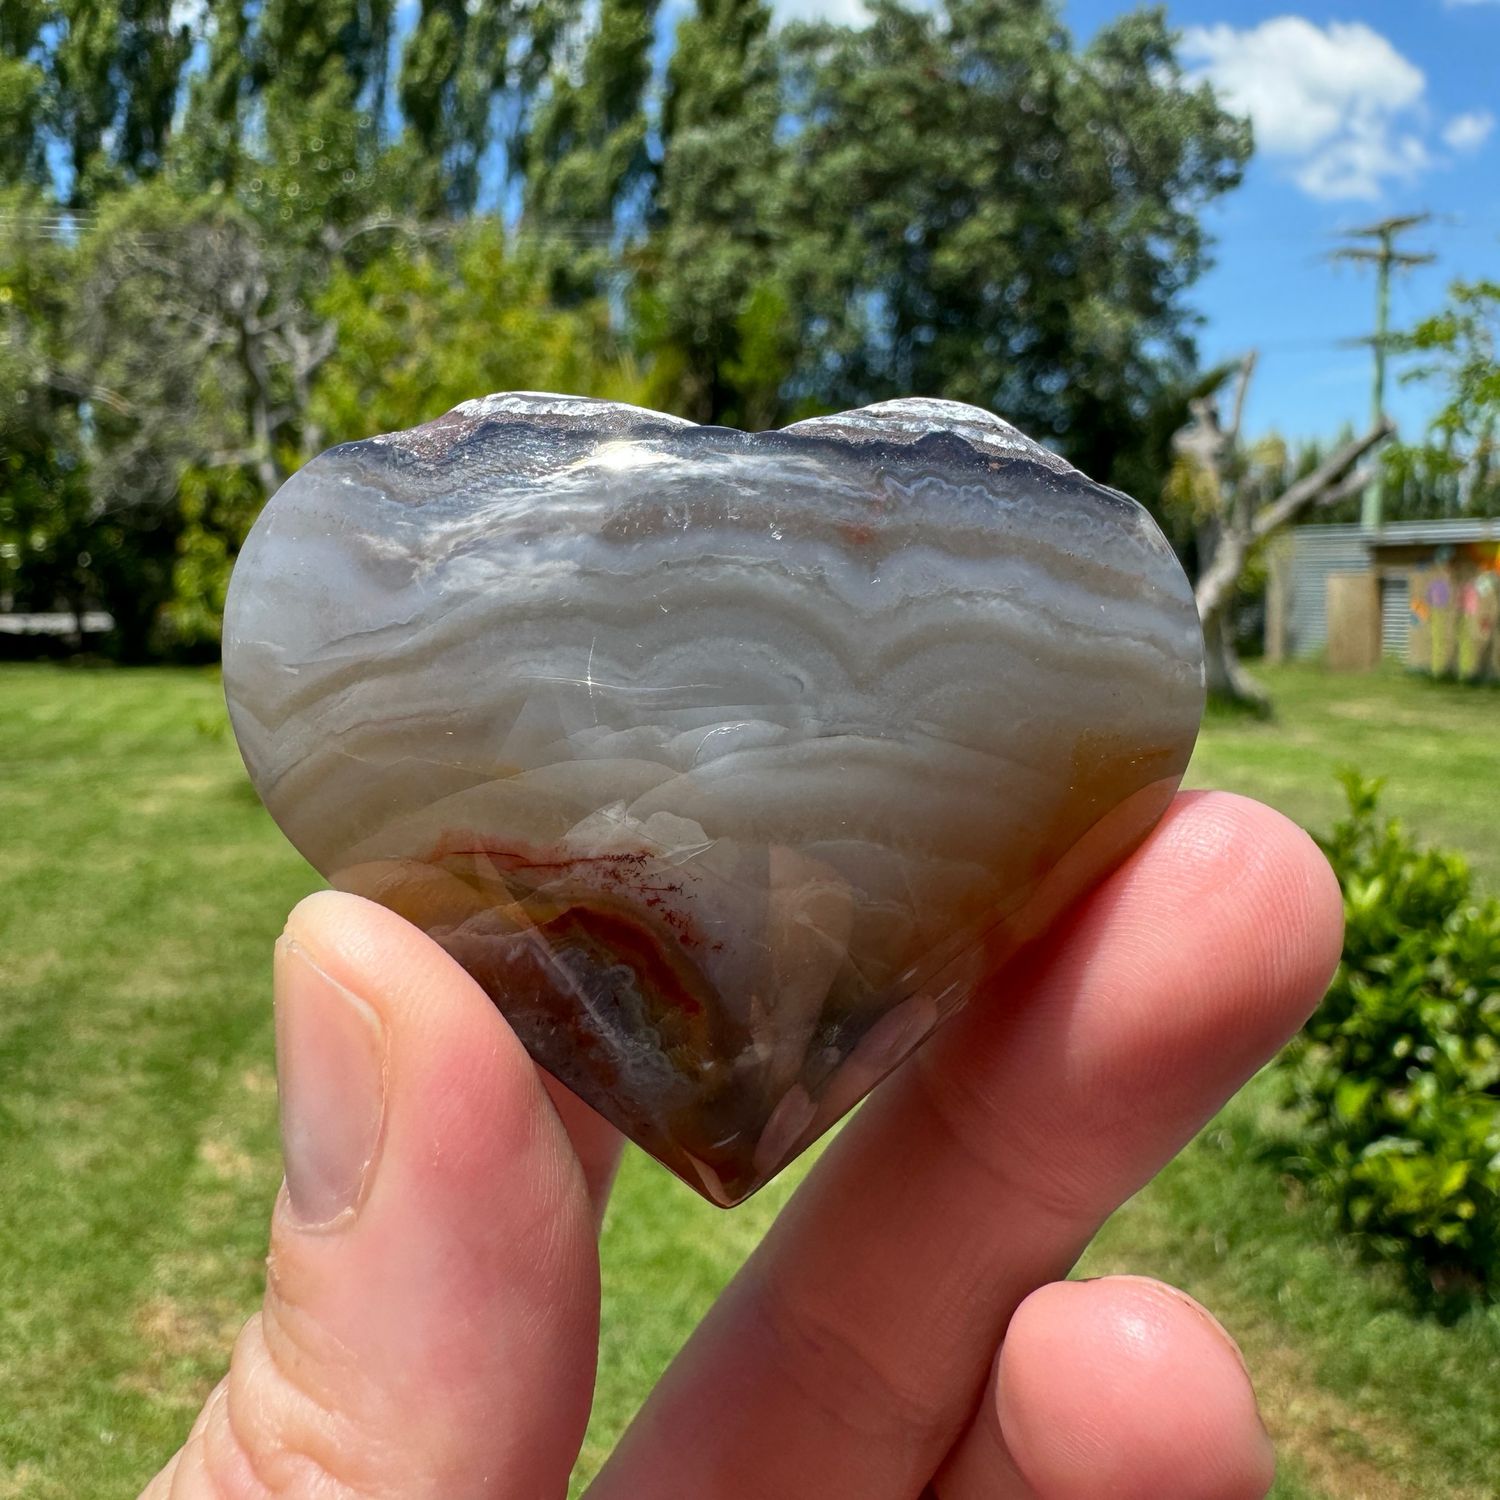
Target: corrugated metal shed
(1318, 551)
(1418, 533)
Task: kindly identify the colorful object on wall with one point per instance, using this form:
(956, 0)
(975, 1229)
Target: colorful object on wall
(1455, 606)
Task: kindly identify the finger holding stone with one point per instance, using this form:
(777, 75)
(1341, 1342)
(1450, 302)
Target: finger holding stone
(861, 1332)
(596, 1143)
(1123, 1387)
(431, 1311)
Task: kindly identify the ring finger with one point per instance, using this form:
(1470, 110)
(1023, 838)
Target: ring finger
(1121, 1387)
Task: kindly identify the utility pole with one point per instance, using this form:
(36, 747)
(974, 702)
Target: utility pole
(1384, 256)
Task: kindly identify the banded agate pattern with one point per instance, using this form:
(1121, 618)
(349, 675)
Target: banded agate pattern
(728, 764)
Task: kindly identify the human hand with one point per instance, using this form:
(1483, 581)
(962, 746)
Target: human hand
(431, 1310)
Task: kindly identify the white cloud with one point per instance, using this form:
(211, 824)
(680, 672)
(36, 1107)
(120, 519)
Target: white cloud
(1468, 132)
(1339, 103)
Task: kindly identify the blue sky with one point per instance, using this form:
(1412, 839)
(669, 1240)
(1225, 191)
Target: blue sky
(1362, 108)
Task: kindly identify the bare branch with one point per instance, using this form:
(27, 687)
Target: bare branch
(337, 241)
(1241, 390)
(230, 458)
(1356, 484)
(1310, 489)
(1202, 443)
(67, 384)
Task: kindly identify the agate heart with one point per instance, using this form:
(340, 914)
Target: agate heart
(728, 764)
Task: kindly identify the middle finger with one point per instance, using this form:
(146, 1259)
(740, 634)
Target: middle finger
(854, 1345)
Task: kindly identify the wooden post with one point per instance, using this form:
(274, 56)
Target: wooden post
(1278, 596)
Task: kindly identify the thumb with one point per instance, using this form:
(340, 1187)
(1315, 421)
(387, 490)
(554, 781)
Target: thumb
(431, 1312)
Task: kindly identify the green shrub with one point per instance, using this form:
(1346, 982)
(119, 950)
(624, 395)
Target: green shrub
(1396, 1078)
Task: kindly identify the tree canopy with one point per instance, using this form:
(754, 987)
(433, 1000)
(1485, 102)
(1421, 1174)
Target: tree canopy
(233, 231)
(1458, 349)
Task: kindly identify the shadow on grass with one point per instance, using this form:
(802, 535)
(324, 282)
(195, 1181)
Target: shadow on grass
(1222, 709)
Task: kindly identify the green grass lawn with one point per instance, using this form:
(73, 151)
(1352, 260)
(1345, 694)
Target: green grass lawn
(1436, 743)
(143, 888)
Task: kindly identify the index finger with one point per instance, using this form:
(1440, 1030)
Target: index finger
(853, 1346)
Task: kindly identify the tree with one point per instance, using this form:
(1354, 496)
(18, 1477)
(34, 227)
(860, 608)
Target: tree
(421, 326)
(299, 47)
(978, 209)
(403, 334)
(186, 344)
(172, 365)
(585, 152)
(255, 240)
(210, 147)
(1237, 505)
(23, 90)
(165, 312)
(105, 81)
(113, 68)
(1459, 458)
(197, 336)
(46, 508)
(461, 61)
(712, 312)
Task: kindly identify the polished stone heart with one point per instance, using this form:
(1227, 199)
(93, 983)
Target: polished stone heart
(728, 764)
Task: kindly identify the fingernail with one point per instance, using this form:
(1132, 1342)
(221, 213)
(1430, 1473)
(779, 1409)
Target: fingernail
(330, 1071)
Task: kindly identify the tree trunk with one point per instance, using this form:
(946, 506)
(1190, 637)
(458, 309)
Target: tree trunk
(1222, 551)
(1224, 675)
(1229, 533)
